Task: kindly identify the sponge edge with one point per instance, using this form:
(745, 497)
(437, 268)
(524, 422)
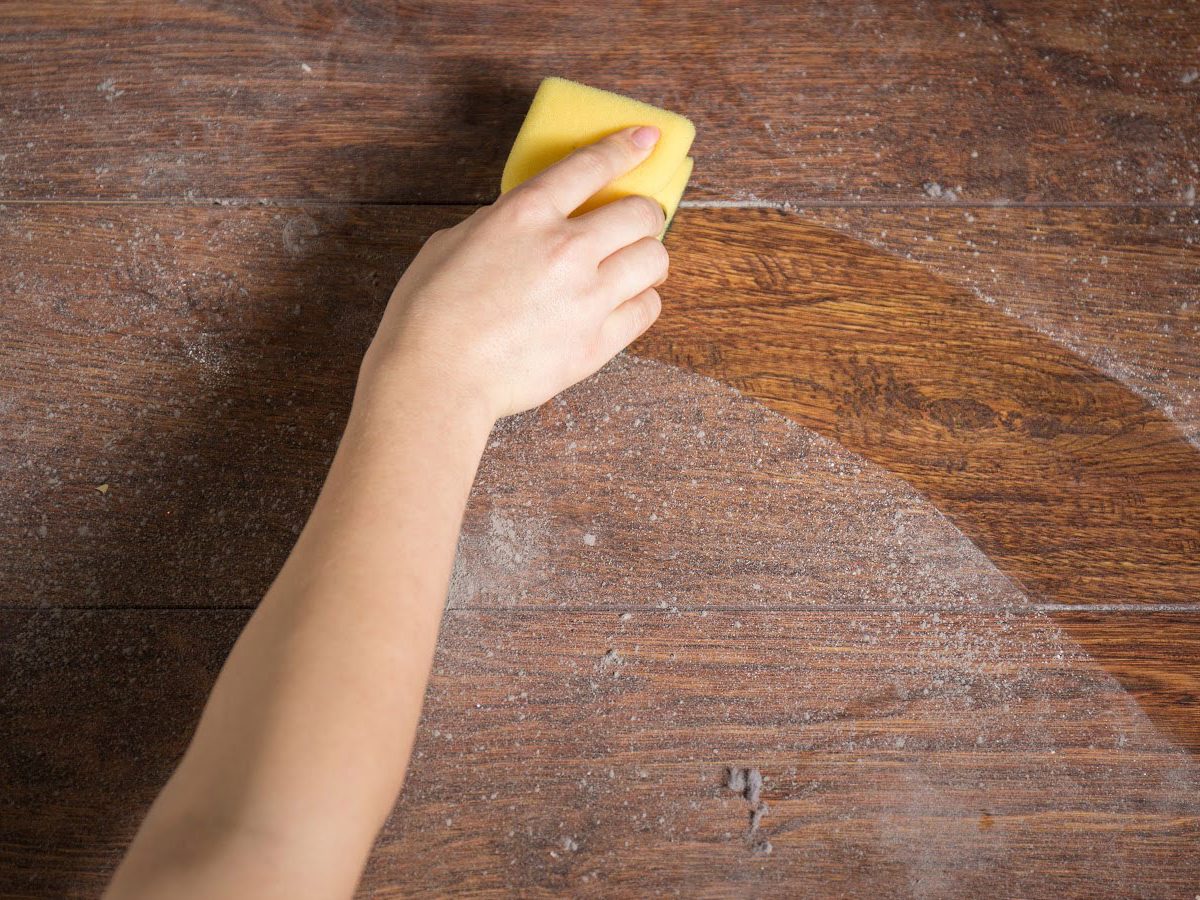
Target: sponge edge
(565, 115)
(670, 195)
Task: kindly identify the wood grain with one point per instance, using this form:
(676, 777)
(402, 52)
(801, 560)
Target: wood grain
(147, 347)
(1067, 480)
(200, 363)
(1115, 286)
(657, 578)
(1155, 657)
(418, 102)
(579, 752)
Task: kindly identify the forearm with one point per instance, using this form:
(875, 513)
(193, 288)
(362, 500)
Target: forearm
(303, 744)
(307, 733)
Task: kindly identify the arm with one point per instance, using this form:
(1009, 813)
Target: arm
(303, 745)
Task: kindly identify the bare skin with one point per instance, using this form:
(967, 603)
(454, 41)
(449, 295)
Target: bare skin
(303, 745)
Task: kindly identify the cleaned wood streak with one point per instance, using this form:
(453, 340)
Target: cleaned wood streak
(568, 752)
(1068, 481)
(1117, 287)
(418, 102)
(1154, 656)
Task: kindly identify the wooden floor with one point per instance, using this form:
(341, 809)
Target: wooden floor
(946, 604)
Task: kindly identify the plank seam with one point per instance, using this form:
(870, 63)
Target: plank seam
(1184, 608)
(782, 205)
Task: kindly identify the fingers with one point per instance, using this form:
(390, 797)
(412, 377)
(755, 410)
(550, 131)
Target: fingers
(571, 181)
(622, 222)
(632, 269)
(627, 322)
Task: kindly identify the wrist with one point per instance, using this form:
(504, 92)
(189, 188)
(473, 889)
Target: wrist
(395, 387)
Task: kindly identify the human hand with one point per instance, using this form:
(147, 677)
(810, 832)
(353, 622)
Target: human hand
(518, 302)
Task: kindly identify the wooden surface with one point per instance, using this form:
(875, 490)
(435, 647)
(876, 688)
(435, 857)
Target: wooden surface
(1117, 287)
(198, 335)
(526, 746)
(613, 644)
(977, 277)
(374, 101)
(1067, 480)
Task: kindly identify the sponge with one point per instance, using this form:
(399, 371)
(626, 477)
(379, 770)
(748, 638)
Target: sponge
(565, 116)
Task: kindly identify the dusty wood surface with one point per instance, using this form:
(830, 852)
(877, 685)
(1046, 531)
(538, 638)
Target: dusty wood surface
(569, 753)
(149, 346)
(747, 593)
(1017, 100)
(924, 726)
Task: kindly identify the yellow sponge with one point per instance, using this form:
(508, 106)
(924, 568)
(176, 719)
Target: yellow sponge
(565, 115)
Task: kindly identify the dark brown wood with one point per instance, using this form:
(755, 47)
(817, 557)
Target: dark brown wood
(576, 752)
(1155, 657)
(657, 579)
(378, 101)
(197, 361)
(1115, 286)
(147, 347)
(1069, 482)
(97, 708)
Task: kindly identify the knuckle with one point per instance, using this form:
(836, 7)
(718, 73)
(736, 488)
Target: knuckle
(658, 257)
(648, 310)
(526, 203)
(664, 257)
(652, 214)
(626, 269)
(595, 160)
(566, 245)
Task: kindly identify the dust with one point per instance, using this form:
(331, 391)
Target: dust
(713, 503)
(298, 234)
(500, 563)
(759, 594)
(934, 191)
(108, 87)
(762, 595)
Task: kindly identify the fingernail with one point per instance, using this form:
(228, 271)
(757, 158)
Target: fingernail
(645, 137)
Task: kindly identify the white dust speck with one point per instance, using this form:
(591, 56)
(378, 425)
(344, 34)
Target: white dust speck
(108, 87)
(934, 191)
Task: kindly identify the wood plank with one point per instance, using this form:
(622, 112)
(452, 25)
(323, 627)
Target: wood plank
(147, 347)
(582, 752)
(646, 482)
(1155, 657)
(150, 346)
(1018, 101)
(1066, 479)
(198, 361)
(1115, 286)
(97, 709)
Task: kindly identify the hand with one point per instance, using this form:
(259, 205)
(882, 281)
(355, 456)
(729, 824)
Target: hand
(520, 301)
